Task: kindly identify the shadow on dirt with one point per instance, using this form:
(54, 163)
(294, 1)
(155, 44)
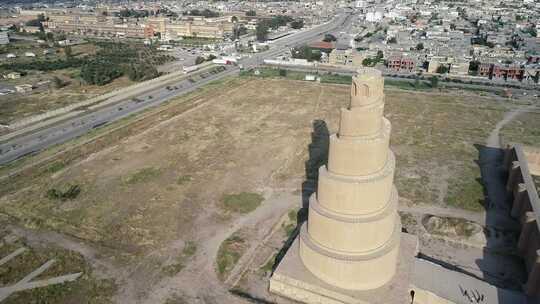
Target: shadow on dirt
(318, 156)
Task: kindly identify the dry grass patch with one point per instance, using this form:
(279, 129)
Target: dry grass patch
(230, 251)
(142, 175)
(243, 202)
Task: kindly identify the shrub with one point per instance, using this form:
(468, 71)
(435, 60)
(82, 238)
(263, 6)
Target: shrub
(71, 193)
(199, 60)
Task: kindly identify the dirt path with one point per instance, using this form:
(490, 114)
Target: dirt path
(494, 141)
(101, 267)
(199, 281)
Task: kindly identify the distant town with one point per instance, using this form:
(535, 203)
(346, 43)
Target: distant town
(469, 40)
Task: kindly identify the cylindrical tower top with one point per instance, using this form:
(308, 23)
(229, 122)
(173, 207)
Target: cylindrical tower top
(367, 87)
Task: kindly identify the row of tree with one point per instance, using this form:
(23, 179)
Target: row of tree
(203, 13)
(264, 26)
(100, 71)
(201, 59)
(45, 65)
(111, 61)
(131, 13)
(305, 52)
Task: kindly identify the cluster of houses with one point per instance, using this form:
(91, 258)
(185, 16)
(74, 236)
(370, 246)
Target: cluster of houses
(496, 40)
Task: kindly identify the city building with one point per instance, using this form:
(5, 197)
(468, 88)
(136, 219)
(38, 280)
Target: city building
(13, 75)
(345, 57)
(214, 28)
(4, 38)
(401, 64)
(507, 72)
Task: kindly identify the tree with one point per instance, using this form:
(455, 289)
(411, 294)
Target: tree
(279, 20)
(204, 13)
(442, 69)
(305, 52)
(251, 13)
(297, 24)
(420, 46)
(261, 31)
(368, 62)
(199, 60)
(282, 73)
(100, 72)
(58, 83)
(68, 51)
(234, 19)
(434, 81)
(329, 38)
(392, 40)
(473, 67)
(36, 23)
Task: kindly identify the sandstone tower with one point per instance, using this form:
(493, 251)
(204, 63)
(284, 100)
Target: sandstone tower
(351, 241)
(353, 227)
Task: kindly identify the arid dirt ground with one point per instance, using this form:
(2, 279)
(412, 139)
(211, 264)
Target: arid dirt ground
(149, 222)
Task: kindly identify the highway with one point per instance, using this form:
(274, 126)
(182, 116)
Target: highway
(35, 141)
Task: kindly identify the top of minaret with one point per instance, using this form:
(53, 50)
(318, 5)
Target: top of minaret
(367, 87)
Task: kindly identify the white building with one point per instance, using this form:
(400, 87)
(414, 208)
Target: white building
(4, 38)
(374, 16)
(360, 3)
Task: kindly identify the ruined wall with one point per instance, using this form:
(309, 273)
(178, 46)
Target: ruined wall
(525, 208)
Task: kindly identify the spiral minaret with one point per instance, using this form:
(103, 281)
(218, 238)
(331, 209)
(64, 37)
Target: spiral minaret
(351, 239)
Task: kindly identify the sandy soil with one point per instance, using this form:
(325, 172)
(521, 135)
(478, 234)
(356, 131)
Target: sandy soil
(145, 197)
(252, 138)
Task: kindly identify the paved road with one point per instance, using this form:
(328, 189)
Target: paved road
(34, 142)
(80, 125)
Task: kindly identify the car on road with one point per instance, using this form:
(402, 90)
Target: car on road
(6, 91)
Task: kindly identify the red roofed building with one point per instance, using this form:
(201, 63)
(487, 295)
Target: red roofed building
(401, 63)
(322, 46)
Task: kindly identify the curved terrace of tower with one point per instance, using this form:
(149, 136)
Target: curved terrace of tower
(351, 239)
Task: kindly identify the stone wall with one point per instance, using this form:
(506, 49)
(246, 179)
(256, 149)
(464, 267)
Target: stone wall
(525, 208)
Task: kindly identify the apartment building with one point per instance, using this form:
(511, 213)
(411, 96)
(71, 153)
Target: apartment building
(401, 63)
(216, 28)
(100, 25)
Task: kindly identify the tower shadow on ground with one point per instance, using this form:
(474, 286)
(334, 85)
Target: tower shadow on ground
(318, 156)
(500, 265)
